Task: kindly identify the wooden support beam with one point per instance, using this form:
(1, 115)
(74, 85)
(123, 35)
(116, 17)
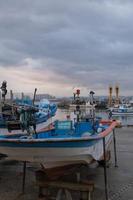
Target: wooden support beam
(67, 185)
(45, 183)
(85, 189)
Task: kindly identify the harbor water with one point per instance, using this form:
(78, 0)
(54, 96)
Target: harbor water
(125, 120)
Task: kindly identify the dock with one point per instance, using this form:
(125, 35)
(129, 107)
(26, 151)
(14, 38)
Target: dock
(120, 179)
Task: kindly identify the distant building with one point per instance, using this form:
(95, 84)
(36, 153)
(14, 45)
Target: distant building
(44, 96)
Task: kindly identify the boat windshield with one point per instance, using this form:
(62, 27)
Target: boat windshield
(63, 125)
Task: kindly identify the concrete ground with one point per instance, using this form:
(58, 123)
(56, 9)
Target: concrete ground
(120, 179)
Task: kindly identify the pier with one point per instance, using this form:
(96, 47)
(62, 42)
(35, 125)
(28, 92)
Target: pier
(120, 179)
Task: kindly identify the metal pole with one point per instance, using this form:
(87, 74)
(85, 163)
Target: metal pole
(105, 170)
(22, 97)
(115, 152)
(24, 175)
(11, 101)
(33, 101)
(11, 96)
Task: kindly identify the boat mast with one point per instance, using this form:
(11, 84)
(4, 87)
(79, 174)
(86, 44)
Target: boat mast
(77, 99)
(92, 110)
(34, 97)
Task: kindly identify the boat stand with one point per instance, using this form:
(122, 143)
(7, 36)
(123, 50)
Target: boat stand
(105, 170)
(85, 187)
(55, 184)
(105, 163)
(24, 176)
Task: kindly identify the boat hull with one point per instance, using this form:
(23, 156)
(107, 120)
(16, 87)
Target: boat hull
(122, 113)
(53, 154)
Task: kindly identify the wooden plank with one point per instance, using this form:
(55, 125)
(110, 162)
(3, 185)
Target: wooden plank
(67, 185)
(56, 172)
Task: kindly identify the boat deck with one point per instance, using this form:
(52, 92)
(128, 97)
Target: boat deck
(120, 179)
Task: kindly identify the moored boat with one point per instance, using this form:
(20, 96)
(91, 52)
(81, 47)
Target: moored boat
(83, 104)
(13, 112)
(46, 111)
(122, 109)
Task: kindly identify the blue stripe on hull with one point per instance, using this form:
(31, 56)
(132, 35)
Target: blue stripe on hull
(39, 144)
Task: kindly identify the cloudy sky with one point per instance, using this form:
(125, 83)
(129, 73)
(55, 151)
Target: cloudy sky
(58, 45)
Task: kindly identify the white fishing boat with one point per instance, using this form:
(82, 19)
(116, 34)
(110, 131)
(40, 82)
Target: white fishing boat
(123, 109)
(84, 106)
(81, 103)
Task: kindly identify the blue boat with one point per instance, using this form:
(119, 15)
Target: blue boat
(44, 111)
(64, 143)
(13, 112)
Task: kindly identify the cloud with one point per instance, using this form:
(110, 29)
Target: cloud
(61, 44)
